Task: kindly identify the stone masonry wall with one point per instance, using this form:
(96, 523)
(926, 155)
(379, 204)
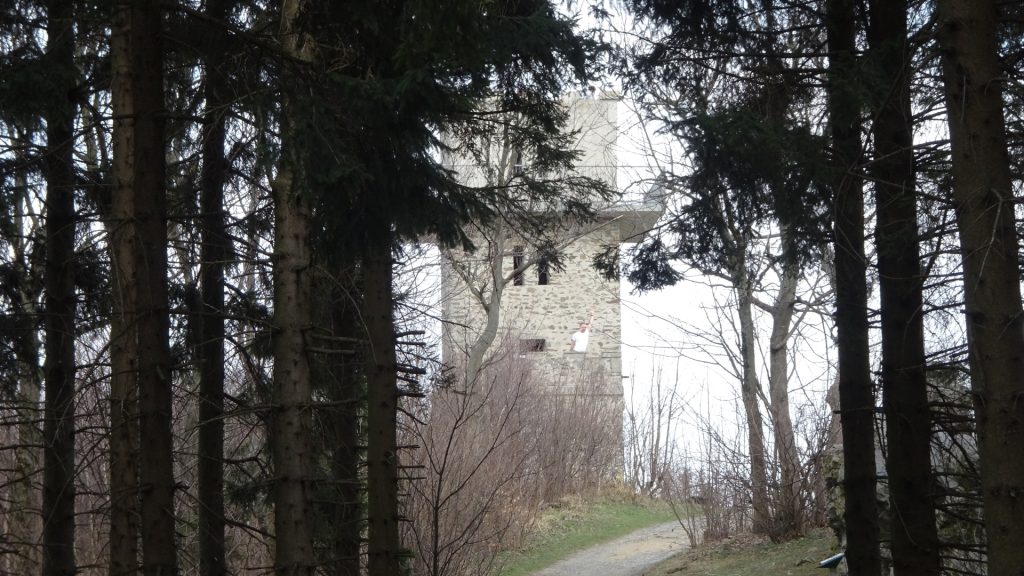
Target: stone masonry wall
(552, 312)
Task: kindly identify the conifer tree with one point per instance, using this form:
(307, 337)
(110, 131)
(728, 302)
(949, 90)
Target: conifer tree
(915, 540)
(59, 483)
(374, 122)
(213, 257)
(292, 386)
(856, 400)
(983, 195)
(139, 246)
(754, 165)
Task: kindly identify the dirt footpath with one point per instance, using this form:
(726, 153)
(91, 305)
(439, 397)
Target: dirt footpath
(630, 555)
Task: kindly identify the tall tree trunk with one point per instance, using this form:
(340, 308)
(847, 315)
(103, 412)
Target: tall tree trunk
(293, 389)
(213, 257)
(381, 404)
(124, 427)
(984, 201)
(915, 540)
(293, 392)
(121, 230)
(856, 399)
(788, 521)
(749, 386)
(140, 244)
(59, 424)
(152, 321)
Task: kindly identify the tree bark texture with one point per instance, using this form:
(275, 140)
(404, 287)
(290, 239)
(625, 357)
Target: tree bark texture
(124, 436)
(59, 371)
(122, 239)
(984, 201)
(293, 392)
(293, 389)
(914, 536)
(749, 386)
(856, 399)
(140, 358)
(381, 404)
(156, 472)
(788, 521)
(214, 254)
(140, 117)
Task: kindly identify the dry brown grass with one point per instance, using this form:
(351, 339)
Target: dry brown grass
(747, 555)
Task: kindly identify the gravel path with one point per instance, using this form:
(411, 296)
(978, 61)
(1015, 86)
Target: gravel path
(630, 555)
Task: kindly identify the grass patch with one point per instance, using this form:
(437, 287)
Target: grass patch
(571, 527)
(749, 556)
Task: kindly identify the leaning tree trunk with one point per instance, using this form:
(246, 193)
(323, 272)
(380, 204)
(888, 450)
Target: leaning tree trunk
(381, 404)
(492, 308)
(59, 423)
(985, 205)
(915, 540)
(749, 388)
(788, 521)
(856, 399)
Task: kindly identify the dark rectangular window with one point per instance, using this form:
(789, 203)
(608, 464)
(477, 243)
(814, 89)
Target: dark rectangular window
(517, 263)
(542, 272)
(531, 345)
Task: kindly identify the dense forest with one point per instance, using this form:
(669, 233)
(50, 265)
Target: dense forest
(213, 359)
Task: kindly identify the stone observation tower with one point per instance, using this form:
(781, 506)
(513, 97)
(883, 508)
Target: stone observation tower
(542, 307)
